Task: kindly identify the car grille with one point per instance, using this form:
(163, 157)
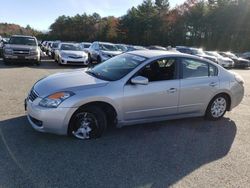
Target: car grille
(20, 52)
(74, 62)
(33, 95)
(75, 57)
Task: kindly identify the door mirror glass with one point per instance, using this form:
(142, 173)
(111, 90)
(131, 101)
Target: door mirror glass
(140, 80)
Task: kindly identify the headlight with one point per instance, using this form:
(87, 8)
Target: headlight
(8, 51)
(34, 51)
(54, 100)
(64, 55)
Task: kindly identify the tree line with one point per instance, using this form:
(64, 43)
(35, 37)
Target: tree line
(211, 24)
(6, 30)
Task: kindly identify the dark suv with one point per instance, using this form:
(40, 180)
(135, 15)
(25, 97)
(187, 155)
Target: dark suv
(22, 49)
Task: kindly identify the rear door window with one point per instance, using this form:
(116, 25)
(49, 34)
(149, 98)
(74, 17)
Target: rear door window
(192, 68)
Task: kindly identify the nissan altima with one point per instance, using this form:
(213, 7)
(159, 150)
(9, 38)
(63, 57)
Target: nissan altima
(132, 88)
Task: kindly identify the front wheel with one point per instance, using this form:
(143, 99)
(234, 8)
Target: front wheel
(88, 122)
(217, 107)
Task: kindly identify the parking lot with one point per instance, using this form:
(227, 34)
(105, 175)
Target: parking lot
(179, 153)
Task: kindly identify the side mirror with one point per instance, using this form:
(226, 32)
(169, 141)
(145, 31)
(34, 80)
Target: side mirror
(140, 80)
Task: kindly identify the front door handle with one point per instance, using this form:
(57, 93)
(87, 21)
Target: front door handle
(213, 84)
(172, 90)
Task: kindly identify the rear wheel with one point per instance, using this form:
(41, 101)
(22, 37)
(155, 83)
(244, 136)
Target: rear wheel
(217, 107)
(88, 122)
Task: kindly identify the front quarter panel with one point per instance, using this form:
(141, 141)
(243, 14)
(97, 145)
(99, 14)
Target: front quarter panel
(110, 93)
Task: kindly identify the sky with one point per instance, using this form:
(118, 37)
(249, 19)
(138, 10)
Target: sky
(41, 14)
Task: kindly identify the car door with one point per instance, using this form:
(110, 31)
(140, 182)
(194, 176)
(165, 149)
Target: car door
(199, 83)
(159, 97)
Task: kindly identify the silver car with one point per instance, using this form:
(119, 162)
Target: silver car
(102, 51)
(132, 88)
(22, 48)
(70, 54)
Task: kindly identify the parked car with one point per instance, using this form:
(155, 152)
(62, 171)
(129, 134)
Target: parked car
(47, 47)
(197, 52)
(1, 48)
(122, 47)
(156, 48)
(70, 53)
(134, 48)
(246, 55)
(22, 49)
(43, 46)
(85, 46)
(238, 61)
(223, 61)
(102, 51)
(132, 88)
(53, 48)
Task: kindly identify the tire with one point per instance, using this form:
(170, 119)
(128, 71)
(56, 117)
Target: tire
(87, 123)
(38, 63)
(6, 62)
(89, 59)
(59, 62)
(217, 107)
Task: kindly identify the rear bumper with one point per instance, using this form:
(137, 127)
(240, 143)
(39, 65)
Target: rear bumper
(237, 91)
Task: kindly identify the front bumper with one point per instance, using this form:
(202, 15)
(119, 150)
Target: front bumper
(51, 120)
(74, 61)
(227, 65)
(242, 64)
(16, 58)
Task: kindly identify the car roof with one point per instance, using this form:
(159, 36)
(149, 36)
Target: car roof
(24, 36)
(69, 43)
(153, 53)
(106, 43)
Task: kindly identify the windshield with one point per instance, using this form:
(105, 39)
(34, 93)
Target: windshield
(215, 54)
(108, 47)
(55, 45)
(122, 48)
(86, 45)
(23, 41)
(231, 55)
(198, 52)
(117, 67)
(70, 47)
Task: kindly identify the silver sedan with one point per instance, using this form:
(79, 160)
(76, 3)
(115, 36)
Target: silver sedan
(132, 88)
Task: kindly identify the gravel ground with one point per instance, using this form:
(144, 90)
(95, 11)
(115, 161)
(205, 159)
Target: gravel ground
(179, 153)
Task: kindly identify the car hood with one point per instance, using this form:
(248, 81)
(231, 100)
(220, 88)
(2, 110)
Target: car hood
(113, 53)
(68, 81)
(74, 53)
(207, 56)
(242, 59)
(225, 59)
(24, 47)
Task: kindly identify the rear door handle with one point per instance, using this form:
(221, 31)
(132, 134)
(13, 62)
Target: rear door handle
(213, 84)
(172, 90)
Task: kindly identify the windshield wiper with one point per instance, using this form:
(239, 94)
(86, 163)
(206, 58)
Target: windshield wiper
(92, 74)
